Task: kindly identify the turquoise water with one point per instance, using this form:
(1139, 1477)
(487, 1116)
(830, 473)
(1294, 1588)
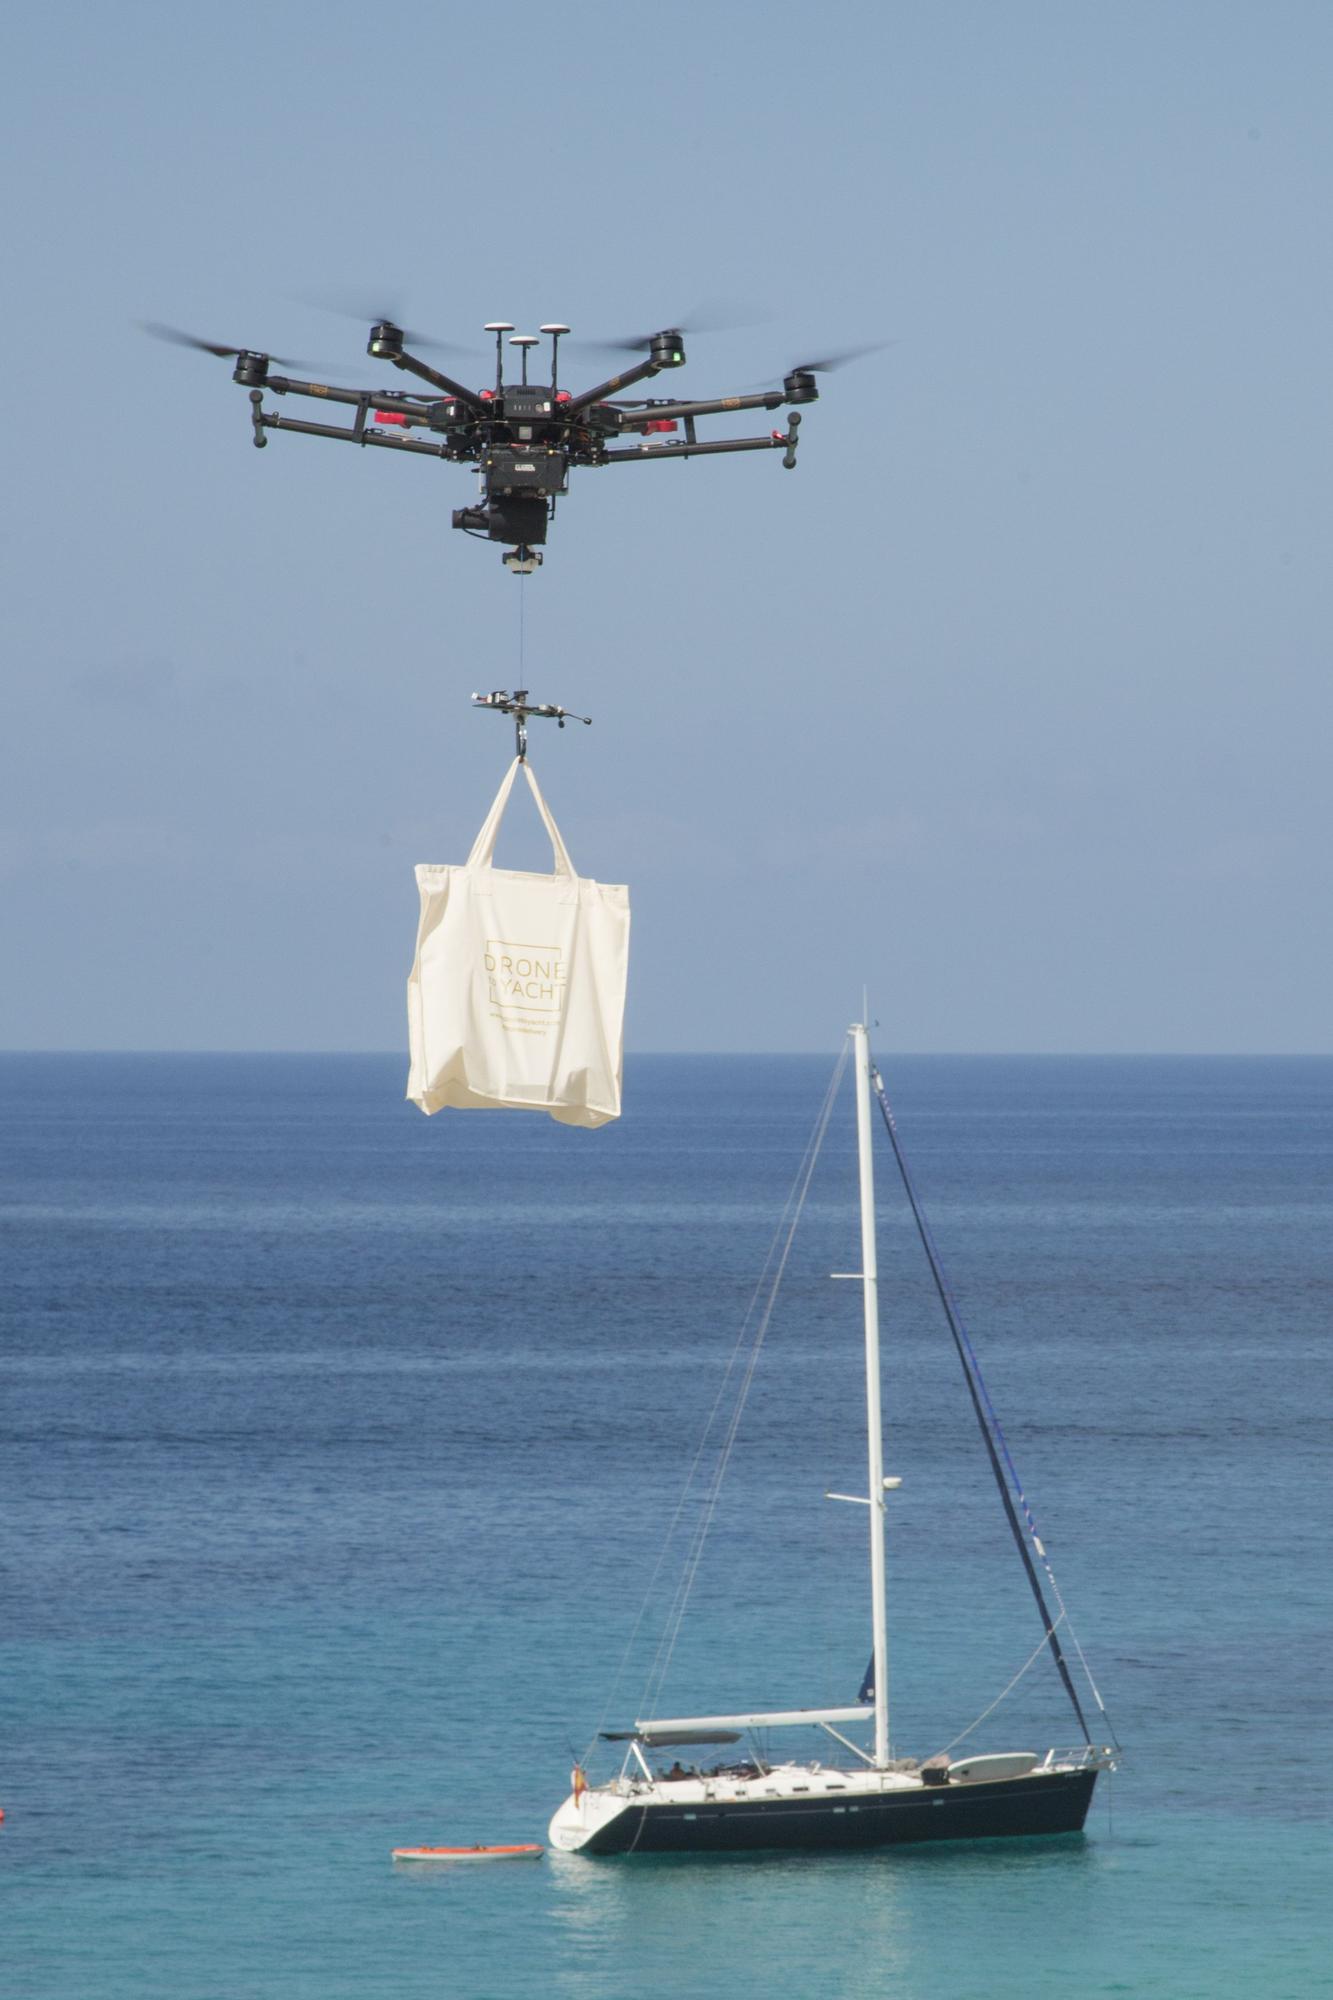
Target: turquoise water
(339, 1447)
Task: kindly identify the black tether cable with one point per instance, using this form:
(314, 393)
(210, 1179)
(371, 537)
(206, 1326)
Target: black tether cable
(970, 1371)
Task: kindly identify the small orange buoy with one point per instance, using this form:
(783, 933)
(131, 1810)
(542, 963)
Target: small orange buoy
(524, 1851)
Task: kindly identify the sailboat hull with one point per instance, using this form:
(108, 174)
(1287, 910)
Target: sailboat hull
(1042, 1803)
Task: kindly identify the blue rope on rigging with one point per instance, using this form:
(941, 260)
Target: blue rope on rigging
(996, 1447)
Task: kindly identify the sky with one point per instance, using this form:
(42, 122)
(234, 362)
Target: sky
(1011, 703)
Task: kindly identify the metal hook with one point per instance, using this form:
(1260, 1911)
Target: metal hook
(518, 705)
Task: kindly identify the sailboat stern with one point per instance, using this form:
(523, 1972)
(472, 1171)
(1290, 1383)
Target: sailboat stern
(586, 1822)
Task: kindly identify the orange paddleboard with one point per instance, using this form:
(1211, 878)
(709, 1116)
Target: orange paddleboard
(526, 1851)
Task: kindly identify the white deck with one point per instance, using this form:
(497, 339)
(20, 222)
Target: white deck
(574, 1823)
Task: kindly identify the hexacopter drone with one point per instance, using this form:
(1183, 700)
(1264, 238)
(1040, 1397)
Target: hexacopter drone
(522, 437)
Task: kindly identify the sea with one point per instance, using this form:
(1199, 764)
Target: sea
(349, 1460)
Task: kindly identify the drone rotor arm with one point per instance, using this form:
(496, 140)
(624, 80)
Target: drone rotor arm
(328, 392)
(469, 397)
(665, 350)
(661, 412)
(354, 433)
(608, 388)
(645, 454)
(399, 407)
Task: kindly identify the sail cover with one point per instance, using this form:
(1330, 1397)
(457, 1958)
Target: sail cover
(782, 1718)
(666, 1738)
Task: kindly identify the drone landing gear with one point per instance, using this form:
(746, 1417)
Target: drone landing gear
(522, 561)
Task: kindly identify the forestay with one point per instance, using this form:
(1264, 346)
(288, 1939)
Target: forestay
(516, 997)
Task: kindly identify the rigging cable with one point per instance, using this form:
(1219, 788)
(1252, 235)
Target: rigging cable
(1003, 1695)
(993, 1436)
(779, 1244)
(766, 1290)
(687, 1489)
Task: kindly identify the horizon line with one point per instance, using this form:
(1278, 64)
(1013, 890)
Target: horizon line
(977, 1055)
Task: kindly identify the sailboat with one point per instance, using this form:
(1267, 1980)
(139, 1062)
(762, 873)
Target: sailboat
(756, 1799)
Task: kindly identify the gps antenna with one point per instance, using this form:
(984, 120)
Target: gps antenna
(499, 327)
(554, 328)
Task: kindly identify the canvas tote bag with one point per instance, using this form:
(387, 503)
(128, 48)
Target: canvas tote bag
(517, 993)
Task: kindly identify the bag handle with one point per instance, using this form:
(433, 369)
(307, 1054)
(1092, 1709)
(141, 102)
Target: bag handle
(483, 848)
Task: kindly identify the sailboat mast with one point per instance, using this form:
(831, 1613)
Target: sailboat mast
(874, 1422)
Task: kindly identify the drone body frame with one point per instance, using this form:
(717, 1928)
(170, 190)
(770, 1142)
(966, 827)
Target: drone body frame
(523, 438)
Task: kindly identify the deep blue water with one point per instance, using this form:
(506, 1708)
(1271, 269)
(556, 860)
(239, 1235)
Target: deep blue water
(339, 1446)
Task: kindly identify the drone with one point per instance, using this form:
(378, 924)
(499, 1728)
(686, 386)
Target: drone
(523, 437)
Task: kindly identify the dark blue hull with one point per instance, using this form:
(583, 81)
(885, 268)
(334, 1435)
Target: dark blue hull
(1054, 1802)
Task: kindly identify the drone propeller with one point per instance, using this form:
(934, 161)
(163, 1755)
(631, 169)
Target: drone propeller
(840, 359)
(829, 364)
(369, 312)
(713, 317)
(179, 339)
